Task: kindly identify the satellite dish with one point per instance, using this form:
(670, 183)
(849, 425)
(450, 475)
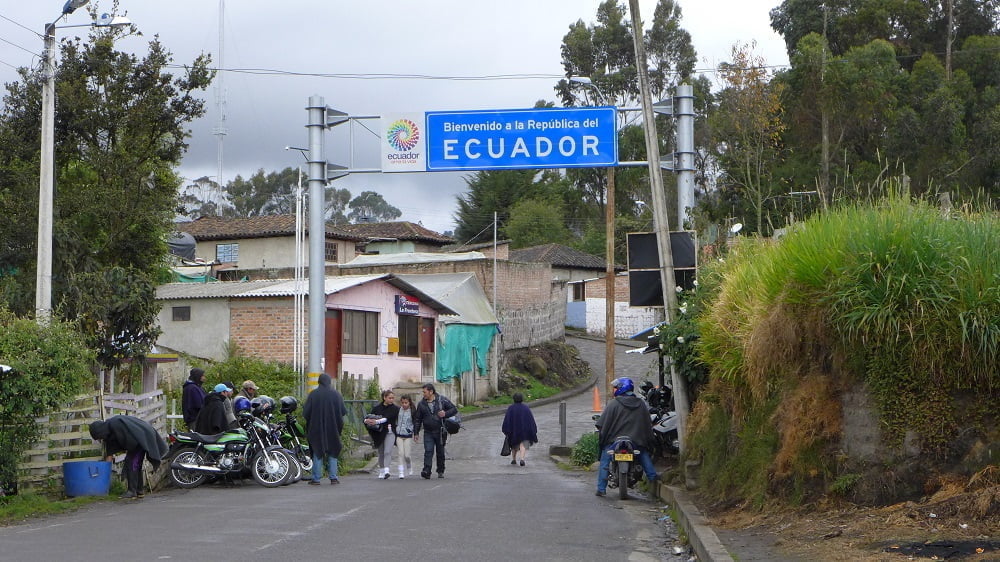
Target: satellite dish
(736, 228)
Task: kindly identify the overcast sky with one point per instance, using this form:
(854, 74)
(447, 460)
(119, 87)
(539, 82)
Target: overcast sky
(450, 42)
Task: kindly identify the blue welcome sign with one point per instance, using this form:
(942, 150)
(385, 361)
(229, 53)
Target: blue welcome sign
(521, 138)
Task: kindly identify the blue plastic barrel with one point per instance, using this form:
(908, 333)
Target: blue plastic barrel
(87, 478)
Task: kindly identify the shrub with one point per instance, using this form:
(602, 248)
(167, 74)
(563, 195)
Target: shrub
(585, 452)
(49, 366)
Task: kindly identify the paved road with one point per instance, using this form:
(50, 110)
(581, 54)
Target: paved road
(484, 509)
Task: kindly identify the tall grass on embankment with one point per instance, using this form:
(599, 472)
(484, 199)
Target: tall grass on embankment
(895, 297)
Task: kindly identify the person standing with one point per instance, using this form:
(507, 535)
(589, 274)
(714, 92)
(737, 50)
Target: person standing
(249, 390)
(627, 415)
(193, 396)
(429, 415)
(381, 426)
(519, 428)
(214, 418)
(138, 439)
(404, 434)
(324, 414)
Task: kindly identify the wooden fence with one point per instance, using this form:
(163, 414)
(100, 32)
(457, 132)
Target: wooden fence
(66, 437)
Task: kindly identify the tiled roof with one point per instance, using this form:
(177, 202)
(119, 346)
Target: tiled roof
(401, 230)
(558, 256)
(220, 228)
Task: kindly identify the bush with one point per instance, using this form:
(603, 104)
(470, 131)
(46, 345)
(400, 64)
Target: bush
(49, 366)
(585, 452)
(274, 379)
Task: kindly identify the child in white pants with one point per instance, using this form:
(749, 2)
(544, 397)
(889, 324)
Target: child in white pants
(404, 435)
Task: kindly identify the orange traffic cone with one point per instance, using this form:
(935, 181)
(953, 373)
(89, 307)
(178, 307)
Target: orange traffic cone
(597, 400)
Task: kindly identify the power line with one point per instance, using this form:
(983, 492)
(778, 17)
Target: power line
(22, 26)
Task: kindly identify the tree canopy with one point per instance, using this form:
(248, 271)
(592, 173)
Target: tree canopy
(120, 129)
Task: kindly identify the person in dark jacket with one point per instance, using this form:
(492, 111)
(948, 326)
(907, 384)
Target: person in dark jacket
(193, 396)
(519, 428)
(324, 414)
(138, 440)
(627, 415)
(381, 425)
(430, 413)
(214, 416)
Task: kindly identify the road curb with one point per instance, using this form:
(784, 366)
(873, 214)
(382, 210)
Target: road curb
(704, 541)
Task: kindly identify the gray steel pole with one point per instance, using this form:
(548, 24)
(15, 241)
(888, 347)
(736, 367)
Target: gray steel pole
(317, 238)
(685, 149)
(43, 273)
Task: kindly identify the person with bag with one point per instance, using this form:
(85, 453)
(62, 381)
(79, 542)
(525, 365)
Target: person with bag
(381, 425)
(404, 434)
(429, 416)
(139, 441)
(519, 428)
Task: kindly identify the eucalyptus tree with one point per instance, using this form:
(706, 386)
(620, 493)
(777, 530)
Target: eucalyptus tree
(370, 206)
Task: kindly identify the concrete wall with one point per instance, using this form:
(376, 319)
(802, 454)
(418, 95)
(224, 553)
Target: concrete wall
(628, 319)
(204, 335)
(272, 252)
(576, 314)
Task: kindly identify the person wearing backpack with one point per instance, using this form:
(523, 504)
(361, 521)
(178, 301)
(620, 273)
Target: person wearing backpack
(429, 416)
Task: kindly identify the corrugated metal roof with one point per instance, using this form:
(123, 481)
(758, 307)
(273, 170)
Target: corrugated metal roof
(287, 288)
(459, 291)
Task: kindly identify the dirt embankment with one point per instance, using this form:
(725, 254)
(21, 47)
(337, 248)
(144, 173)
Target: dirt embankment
(555, 364)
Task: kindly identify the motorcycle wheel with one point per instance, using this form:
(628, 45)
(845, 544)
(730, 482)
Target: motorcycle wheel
(304, 456)
(623, 480)
(296, 468)
(270, 468)
(188, 478)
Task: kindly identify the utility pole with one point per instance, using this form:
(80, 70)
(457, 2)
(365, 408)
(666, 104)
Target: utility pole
(317, 239)
(609, 281)
(661, 221)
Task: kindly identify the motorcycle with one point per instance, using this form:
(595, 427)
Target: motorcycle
(625, 470)
(196, 457)
(292, 435)
(663, 417)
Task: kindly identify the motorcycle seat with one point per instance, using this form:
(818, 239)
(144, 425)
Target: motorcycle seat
(200, 437)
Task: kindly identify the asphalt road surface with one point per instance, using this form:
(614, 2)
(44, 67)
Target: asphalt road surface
(484, 509)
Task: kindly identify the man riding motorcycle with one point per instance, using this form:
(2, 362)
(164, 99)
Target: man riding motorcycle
(627, 415)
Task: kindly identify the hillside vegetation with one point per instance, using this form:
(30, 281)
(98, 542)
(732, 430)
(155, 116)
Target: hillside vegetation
(890, 309)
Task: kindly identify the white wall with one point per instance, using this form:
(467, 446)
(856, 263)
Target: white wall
(204, 335)
(628, 319)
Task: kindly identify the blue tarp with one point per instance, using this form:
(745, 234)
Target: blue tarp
(455, 349)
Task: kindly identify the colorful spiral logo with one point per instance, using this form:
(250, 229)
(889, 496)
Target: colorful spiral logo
(403, 135)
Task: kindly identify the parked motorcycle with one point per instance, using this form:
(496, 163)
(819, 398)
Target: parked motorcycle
(625, 469)
(262, 408)
(663, 417)
(291, 433)
(196, 457)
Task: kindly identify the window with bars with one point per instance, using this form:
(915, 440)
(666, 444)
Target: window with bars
(330, 251)
(360, 332)
(181, 313)
(227, 253)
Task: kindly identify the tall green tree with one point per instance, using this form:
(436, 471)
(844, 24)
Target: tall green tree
(121, 127)
(371, 207)
(536, 221)
(748, 129)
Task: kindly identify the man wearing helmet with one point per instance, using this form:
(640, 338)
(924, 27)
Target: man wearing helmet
(627, 415)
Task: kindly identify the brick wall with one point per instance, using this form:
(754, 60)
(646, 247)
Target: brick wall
(263, 327)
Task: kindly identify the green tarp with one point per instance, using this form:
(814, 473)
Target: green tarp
(455, 349)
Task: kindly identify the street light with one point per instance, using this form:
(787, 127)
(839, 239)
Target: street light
(609, 250)
(43, 278)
